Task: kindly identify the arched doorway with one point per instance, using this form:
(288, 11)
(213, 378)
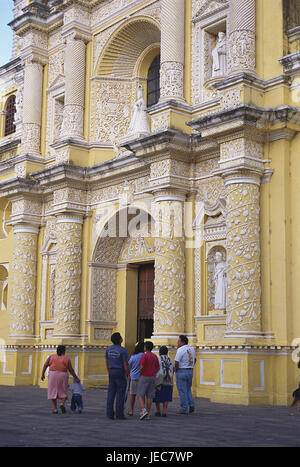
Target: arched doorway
(122, 278)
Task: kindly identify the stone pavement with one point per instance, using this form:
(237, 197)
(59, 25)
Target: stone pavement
(27, 421)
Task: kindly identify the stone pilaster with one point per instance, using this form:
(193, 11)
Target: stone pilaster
(23, 282)
(242, 31)
(73, 114)
(172, 49)
(68, 276)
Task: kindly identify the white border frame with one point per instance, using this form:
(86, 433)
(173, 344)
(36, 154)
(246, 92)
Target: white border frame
(225, 385)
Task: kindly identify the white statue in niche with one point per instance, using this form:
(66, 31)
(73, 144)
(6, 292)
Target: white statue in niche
(219, 56)
(19, 106)
(139, 124)
(220, 282)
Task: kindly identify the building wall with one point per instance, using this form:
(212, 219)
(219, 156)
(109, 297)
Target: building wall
(221, 153)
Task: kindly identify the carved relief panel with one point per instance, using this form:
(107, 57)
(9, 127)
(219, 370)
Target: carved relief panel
(111, 101)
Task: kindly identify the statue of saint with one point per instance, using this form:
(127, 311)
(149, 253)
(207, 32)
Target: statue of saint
(220, 282)
(219, 56)
(139, 124)
(19, 106)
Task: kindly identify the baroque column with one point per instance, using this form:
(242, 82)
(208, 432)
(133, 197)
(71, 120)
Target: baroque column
(243, 255)
(242, 29)
(68, 276)
(23, 283)
(32, 106)
(169, 313)
(75, 87)
(172, 49)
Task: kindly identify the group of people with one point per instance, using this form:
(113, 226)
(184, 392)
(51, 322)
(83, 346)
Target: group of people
(143, 376)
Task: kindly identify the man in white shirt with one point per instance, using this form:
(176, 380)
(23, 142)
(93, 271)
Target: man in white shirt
(185, 360)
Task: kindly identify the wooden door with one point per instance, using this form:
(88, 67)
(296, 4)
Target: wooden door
(145, 301)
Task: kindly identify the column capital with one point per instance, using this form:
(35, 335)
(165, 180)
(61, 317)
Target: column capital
(76, 33)
(32, 56)
(25, 228)
(175, 195)
(62, 218)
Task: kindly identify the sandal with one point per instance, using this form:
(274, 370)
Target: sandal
(63, 409)
(130, 414)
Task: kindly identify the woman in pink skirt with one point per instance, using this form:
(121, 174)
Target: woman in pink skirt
(59, 366)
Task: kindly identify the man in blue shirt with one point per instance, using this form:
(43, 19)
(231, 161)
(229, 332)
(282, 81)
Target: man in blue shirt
(118, 371)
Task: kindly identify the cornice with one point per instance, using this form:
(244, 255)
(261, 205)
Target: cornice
(8, 145)
(36, 16)
(16, 187)
(244, 115)
(171, 141)
(291, 63)
(251, 80)
(61, 5)
(59, 173)
(14, 66)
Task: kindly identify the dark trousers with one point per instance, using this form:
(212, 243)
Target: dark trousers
(116, 391)
(76, 401)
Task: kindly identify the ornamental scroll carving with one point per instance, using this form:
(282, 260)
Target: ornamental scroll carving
(104, 278)
(112, 100)
(169, 285)
(171, 80)
(23, 284)
(68, 278)
(243, 246)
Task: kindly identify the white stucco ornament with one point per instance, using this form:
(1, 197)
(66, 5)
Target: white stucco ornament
(219, 56)
(139, 124)
(220, 282)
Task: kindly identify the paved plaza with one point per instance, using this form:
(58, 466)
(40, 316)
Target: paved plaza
(27, 421)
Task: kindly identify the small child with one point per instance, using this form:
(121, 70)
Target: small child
(76, 389)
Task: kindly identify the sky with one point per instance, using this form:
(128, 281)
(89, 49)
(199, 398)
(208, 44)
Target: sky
(6, 15)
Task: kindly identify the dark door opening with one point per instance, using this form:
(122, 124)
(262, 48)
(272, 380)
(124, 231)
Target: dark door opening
(145, 302)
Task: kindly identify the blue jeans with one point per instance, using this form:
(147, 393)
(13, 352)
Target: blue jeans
(116, 391)
(76, 401)
(184, 379)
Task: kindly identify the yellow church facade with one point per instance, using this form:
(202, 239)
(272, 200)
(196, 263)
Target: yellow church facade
(149, 184)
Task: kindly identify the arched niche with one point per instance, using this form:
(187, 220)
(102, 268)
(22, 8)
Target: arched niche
(121, 55)
(122, 66)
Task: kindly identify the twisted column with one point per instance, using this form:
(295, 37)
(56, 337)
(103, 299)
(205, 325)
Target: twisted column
(23, 283)
(68, 277)
(172, 49)
(32, 107)
(242, 30)
(75, 88)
